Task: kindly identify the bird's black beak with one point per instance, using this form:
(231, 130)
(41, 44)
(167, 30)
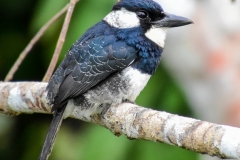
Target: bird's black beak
(170, 20)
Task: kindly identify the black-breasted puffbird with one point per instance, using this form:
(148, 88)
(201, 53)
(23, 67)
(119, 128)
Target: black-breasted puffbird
(111, 63)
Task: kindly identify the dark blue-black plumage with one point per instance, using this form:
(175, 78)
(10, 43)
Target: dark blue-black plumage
(134, 5)
(100, 52)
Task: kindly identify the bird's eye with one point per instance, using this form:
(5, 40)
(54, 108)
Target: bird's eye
(162, 15)
(142, 14)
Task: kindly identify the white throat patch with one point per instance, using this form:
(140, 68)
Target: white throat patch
(122, 19)
(157, 35)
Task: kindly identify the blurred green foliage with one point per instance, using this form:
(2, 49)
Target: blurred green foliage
(21, 137)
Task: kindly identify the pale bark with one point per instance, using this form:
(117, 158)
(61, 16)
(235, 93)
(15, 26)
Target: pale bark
(133, 121)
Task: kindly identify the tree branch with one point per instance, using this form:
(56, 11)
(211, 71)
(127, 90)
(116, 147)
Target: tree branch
(133, 121)
(61, 41)
(32, 43)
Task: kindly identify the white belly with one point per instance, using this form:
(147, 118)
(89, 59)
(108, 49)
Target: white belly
(137, 81)
(125, 85)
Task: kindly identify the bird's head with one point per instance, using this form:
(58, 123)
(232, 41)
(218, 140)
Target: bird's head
(147, 14)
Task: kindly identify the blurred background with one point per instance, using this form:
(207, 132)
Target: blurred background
(199, 76)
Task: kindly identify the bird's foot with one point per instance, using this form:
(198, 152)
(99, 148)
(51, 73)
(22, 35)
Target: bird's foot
(128, 101)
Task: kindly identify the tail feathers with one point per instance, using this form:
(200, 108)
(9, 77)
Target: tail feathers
(52, 132)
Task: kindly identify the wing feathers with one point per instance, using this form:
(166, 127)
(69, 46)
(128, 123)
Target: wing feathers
(87, 64)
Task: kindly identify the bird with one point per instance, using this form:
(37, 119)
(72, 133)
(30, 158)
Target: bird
(110, 63)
